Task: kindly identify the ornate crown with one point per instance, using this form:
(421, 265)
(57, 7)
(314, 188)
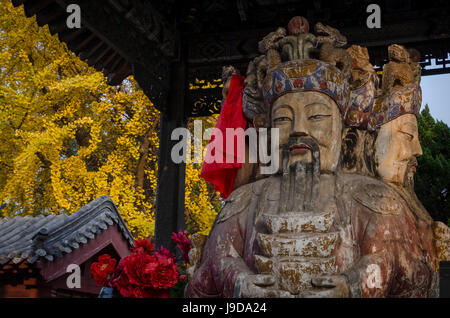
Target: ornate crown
(299, 61)
(302, 61)
(306, 75)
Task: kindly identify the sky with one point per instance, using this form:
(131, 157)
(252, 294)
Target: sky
(436, 93)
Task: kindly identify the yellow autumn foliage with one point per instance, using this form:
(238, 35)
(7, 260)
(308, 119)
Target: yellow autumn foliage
(66, 137)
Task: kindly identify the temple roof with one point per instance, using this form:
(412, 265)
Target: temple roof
(32, 238)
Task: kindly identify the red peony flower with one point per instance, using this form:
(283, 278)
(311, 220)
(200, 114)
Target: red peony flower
(183, 243)
(163, 252)
(164, 273)
(123, 285)
(134, 267)
(103, 268)
(145, 276)
(143, 246)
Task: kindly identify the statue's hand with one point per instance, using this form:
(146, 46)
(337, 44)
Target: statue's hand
(255, 286)
(334, 286)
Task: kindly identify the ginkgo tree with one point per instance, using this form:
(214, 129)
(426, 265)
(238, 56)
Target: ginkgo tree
(66, 137)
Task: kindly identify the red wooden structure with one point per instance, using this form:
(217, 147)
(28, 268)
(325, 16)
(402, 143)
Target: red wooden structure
(35, 252)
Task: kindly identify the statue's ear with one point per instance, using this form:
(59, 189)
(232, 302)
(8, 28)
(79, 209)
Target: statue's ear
(259, 121)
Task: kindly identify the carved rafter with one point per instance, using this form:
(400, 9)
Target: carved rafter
(143, 42)
(117, 37)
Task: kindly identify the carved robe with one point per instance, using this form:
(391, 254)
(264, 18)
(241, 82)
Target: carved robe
(378, 248)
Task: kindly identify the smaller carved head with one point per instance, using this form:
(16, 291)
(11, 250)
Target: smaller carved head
(270, 41)
(414, 55)
(398, 53)
(328, 34)
(227, 74)
(360, 58)
(298, 25)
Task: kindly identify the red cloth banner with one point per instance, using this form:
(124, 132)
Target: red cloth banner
(222, 173)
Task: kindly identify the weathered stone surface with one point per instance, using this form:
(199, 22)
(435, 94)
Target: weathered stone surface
(299, 222)
(307, 245)
(294, 274)
(442, 241)
(265, 265)
(195, 253)
(378, 198)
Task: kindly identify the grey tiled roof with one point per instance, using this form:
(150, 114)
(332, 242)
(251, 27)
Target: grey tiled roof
(30, 238)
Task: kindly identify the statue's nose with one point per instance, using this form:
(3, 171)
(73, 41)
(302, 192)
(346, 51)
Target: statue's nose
(417, 149)
(299, 127)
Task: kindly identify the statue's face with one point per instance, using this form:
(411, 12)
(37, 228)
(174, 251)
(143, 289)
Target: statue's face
(309, 114)
(397, 145)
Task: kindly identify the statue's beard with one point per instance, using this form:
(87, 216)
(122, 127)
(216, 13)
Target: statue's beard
(408, 193)
(408, 180)
(300, 180)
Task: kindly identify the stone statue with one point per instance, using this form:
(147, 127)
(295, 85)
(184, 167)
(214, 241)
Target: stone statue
(397, 146)
(315, 228)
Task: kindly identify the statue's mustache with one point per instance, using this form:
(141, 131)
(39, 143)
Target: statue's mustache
(301, 141)
(413, 162)
(302, 138)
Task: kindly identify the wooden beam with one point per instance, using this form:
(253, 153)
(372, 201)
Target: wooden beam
(171, 176)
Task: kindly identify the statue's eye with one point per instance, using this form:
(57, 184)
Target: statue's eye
(318, 117)
(282, 119)
(408, 135)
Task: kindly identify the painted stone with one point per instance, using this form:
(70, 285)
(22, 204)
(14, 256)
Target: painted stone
(294, 274)
(294, 222)
(340, 217)
(307, 245)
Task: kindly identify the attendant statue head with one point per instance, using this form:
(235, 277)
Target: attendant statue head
(397, 145)
(381, 138)
(396, 149)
